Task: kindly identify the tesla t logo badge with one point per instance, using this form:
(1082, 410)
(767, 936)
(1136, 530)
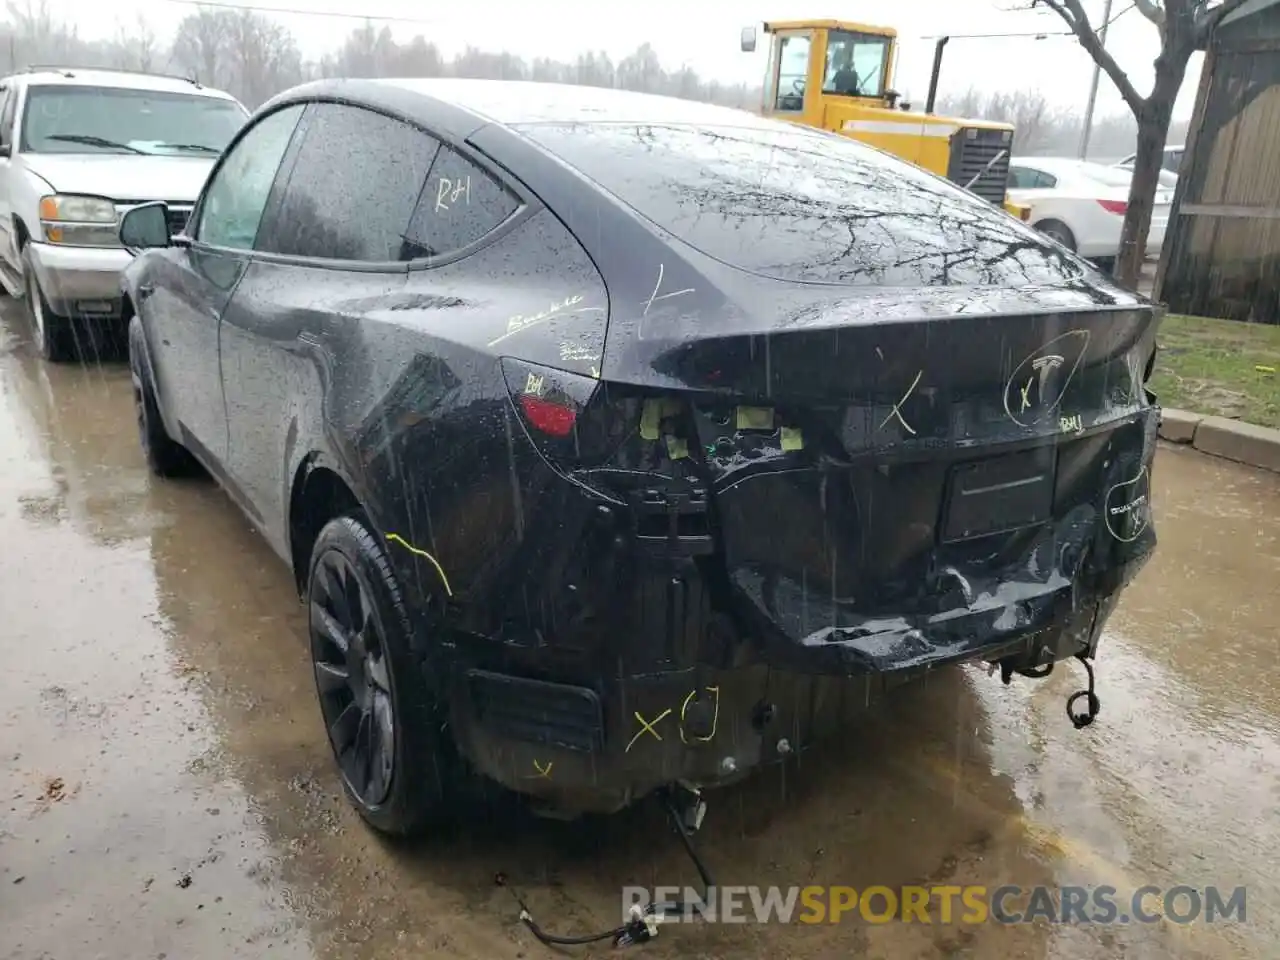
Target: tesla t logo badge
(1046, 366)
(1041, 380)
(1035, 390)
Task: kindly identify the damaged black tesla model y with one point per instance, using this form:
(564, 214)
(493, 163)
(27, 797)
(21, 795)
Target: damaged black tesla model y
(619, 441)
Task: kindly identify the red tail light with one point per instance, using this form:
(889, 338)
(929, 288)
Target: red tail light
(1118, 207)
(552, 418)
(581, 425)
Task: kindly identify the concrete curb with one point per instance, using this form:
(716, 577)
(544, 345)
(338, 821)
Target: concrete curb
(1220, 437)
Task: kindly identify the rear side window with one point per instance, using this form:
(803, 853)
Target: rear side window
(1020, 178)
(356, 179)
(797, 205)
(459, 205)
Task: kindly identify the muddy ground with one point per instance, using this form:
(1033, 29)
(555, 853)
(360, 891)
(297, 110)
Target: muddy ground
(166, 789)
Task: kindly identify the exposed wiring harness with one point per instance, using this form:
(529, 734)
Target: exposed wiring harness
(1093, 704)
(643, 924)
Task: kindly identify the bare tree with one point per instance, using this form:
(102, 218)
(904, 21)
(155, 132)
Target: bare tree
(419, 59)
(201, 45)
(1185, 26)
(136, 47)
(641, 71)
(37, 36)
(367, 52)
(265, 56)
(594, 70)
(971, 103)
(1030, 114)
(255, 57)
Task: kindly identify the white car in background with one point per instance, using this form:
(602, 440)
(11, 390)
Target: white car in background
(1171, 160)
(1082, 205)
(78, 149)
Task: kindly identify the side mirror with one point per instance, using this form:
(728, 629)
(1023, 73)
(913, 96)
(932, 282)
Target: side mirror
(145, 227)
(748, 39)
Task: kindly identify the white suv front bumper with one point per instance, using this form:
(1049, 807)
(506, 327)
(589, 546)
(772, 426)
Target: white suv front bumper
(79, 281)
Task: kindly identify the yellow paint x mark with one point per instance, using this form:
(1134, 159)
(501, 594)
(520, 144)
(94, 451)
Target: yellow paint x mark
(396, 538)
(647, 726)
(544, 773)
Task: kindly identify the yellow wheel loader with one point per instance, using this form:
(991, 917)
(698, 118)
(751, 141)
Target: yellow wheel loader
(838, 76)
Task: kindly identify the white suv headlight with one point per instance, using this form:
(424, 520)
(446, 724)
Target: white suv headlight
(79, 221)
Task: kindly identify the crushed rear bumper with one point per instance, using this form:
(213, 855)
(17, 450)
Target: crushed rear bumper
(601, 747)
(653, 666)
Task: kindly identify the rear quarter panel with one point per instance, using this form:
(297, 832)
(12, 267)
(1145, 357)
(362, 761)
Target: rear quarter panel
(418, 409)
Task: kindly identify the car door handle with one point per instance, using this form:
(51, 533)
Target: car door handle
(145, 290)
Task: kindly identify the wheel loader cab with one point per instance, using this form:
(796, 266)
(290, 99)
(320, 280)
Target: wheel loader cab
(838, 76)
(816, 65)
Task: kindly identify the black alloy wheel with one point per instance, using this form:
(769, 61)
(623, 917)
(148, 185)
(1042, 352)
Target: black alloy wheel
(400, 767)
(349, 649)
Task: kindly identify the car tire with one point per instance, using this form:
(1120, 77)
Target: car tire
(53, 333)
(405, 776)
(1059, 231)
(165, 456)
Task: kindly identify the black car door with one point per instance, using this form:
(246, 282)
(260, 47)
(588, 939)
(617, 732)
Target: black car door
(192, 285)
(331, 250)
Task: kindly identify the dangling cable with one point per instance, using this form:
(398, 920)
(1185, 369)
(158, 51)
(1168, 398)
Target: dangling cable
(643, 925)
(1082, 720)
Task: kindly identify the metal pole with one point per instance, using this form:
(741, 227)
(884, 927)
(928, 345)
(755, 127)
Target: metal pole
(1093, 87)
(937, 68)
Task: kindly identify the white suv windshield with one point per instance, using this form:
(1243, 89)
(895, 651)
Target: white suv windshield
(67, 119)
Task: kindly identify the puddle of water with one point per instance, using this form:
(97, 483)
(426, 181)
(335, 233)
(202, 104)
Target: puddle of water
(117, 837)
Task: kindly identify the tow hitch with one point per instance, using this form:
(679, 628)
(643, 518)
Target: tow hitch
(685, 809)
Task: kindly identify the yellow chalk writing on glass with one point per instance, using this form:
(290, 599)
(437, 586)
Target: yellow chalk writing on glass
(449, 192)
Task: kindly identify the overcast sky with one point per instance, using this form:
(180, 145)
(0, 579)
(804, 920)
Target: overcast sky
(705, 35)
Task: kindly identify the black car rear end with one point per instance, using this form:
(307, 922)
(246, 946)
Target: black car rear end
(713, 561)
(851, 426)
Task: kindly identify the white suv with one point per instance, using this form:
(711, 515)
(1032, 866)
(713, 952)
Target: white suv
(77, 149)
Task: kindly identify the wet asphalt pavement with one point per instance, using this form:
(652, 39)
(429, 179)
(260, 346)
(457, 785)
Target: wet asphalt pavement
(166, 789)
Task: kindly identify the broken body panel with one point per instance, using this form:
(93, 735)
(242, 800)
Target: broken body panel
(761, 552)
(780, 497)
(727, 426)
